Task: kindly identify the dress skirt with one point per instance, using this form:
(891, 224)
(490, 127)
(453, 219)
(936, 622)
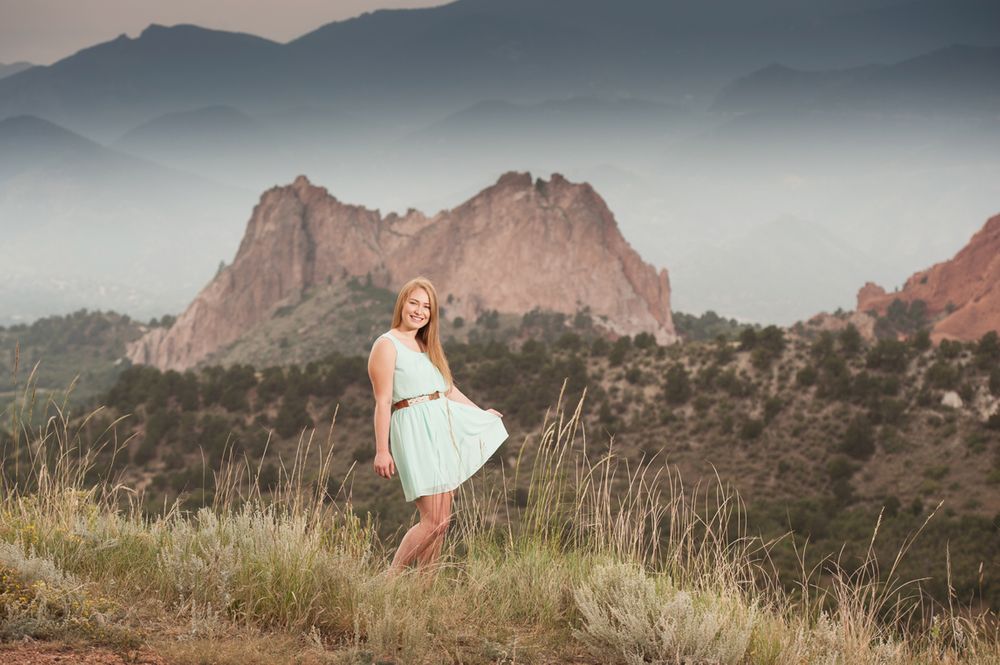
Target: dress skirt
(438, 444)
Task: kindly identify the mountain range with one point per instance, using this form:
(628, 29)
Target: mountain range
(699, 123)
(85, 224)
(13, 68)
(465, 51)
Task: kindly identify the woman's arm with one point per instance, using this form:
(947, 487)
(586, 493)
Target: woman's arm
(456, 395)
(381, 364)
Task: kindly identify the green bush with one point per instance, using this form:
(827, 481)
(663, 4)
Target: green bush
(644, 340)
(751, 429)
(840, 467)
(859, 439)
(850, 340)
(806, 376)
(772, 407)
(949, 349)
(921, 340)
(888, 355)
(987, 351)
(678, 387)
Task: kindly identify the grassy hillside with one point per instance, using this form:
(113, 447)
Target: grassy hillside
(817, 432)
(83, 347)
(595, 562)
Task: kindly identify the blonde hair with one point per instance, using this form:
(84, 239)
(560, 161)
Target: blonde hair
(429, 334)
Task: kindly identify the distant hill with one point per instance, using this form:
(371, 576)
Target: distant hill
(226, 144)
(13, 68)
(68, 203)
(85, 347)
(956, 79)
(465, 51)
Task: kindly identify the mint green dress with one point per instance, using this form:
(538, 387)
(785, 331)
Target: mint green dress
(437, 444)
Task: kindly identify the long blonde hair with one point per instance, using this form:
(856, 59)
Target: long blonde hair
(429, 334)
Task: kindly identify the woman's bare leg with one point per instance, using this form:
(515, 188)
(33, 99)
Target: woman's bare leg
(428, 557)
(424, 539)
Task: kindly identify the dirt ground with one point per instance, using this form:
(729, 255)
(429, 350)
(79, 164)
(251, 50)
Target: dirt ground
(33, 653)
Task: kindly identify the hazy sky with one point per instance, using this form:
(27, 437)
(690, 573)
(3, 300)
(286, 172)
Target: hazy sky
(43, 31)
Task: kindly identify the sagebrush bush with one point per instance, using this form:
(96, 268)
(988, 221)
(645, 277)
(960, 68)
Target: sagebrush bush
(39, 600)
(633, 619)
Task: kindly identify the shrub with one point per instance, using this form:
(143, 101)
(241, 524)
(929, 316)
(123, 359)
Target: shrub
(850, 340)
(644, 340)
(761, 358)
(678, 387)
(772, 340)
(988, 350)
(921, 340)
(806, 376)
(38, 600)
(949, 349)
(772, 407)
(888, 355)
(822, 347)
(942, 375)
(840, 467)
(628, 617)
(292, 415)
(570, 341)
(618, 351)
(859, 439)
(751, 429)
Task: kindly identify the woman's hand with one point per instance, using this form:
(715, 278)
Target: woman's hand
(494, 412)
(384, 466)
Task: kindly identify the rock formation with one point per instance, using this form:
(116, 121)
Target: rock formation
(514, 246)
(962, 295)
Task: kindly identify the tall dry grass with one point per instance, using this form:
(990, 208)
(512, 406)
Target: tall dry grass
(607, 562)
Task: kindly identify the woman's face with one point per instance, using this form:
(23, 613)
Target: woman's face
(416, 309)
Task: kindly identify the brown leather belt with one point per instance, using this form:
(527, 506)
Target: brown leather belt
(403, 403)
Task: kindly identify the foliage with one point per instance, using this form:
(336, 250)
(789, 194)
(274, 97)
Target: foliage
(677, 389)
(707, 326)
(859, 439)
(901, 318)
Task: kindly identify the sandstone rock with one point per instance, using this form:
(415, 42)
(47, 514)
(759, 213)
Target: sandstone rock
(867, 294)
(514, 246)
(952, 399)
(824, 321)
(962, 294)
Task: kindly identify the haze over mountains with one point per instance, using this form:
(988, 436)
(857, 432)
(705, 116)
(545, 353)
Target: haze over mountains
(13, 68)
(874, 123)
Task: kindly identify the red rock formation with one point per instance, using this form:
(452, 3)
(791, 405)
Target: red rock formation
(512, 247)
(962, 294)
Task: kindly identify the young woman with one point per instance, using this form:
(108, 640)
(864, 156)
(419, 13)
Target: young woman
(438, 436)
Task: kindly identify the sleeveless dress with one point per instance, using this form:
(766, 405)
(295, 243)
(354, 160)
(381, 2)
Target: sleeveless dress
(436, 444)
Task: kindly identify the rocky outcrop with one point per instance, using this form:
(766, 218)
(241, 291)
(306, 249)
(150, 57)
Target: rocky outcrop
(826, 322)
(962, 295)
(514, 246)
